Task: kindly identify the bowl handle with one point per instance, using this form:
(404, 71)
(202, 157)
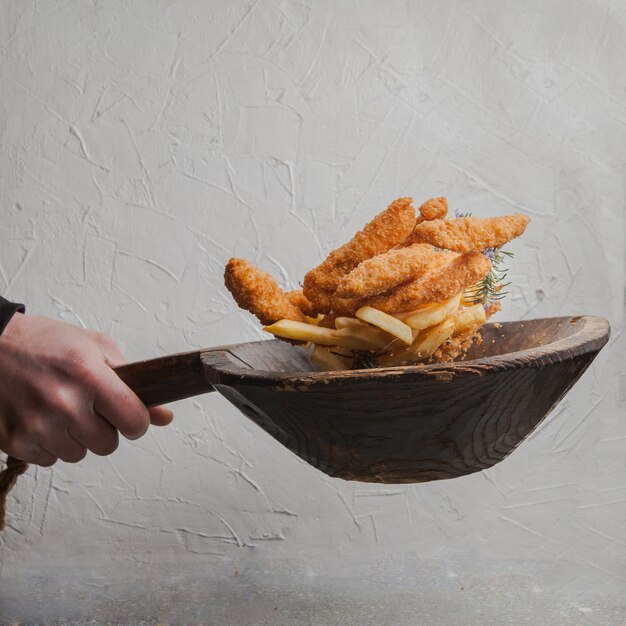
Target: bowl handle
(167, 378)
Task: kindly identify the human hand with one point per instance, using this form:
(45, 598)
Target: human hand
(59, 396)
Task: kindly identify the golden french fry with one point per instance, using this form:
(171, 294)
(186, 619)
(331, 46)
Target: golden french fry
(386, 322)
(355, 338)
(465, 318)
(348, 322)
(328, 360)
(363, 338)
(431, 314)
(314, 320)
(299, 331)
(346, 353)
(422, 348)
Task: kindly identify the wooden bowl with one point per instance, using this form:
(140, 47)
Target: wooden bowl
(388, 425)
(414, 423)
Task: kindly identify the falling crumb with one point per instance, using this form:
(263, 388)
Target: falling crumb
(458, 346)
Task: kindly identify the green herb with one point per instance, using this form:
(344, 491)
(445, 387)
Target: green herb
(365, 359)
(490, 289)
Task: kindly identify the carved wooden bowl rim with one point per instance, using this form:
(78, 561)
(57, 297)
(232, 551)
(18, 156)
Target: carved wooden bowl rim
(589, 334)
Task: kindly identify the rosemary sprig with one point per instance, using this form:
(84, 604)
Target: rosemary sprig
(364, 359)
(490, 289)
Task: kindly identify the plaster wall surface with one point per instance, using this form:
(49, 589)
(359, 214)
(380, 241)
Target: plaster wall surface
(144, 143)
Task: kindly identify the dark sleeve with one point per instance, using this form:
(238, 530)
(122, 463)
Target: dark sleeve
(7, 311)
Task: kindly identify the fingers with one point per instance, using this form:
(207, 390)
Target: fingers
(95, 433)
(42, 457)
(160, 416)
(60, 443)
(42, 441)
(118, 405)
(69, 421)
(34, 454)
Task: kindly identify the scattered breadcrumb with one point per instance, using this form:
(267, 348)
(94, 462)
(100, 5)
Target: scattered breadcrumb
(457, 346)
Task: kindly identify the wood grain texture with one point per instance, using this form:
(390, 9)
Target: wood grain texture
(166, 379)
(413, 423)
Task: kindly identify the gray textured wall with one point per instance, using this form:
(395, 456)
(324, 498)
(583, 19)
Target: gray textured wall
(142, 144)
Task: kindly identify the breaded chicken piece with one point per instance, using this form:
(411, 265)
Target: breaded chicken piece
(257, 292)
(387, 229)
(328, 321)
(439, 283)
(433, 209)
(348, 307)
(464, 234)
(385, 271)
(299, 300)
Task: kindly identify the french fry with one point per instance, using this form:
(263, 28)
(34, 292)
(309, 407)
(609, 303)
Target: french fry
(365, 338)
(355, 338)
(431, 314)
(348, 322)
(386, 322)
(346, 353)
(422, 348)
(328, 360)
(314, 320)
(299, 331)
(465, 318)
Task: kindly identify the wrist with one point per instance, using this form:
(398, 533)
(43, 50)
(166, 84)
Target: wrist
(13, 326)
(8, 310)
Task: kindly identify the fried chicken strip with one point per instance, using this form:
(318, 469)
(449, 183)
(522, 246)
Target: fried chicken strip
(349, 306)
(299, 300)
(441, 282)
(433, 209)
(256, 291)
(466, 234)
(385, 271)
(387, 229)
(346, 307)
